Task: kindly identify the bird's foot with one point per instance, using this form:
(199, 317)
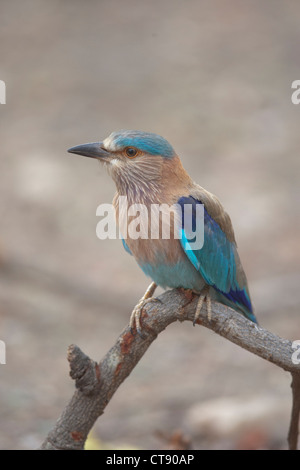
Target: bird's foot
(135, 318)
(203, 296)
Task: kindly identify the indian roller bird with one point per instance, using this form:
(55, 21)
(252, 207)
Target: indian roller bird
(147, 170)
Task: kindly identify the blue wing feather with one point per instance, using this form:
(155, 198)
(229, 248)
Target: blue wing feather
(216, 260)
(126, 246)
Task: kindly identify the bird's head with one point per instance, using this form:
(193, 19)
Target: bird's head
(134, 159)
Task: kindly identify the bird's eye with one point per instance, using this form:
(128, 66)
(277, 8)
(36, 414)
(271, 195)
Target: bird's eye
(131, 152)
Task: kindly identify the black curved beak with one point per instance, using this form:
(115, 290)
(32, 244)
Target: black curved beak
(92, 150)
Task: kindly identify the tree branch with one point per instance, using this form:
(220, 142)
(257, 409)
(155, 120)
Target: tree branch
(294, 424)
(96, 383)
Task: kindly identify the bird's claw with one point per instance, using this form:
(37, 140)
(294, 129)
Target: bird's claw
(135, 318)
(203, 296)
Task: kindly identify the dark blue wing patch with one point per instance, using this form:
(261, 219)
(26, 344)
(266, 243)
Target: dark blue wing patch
(216, 260)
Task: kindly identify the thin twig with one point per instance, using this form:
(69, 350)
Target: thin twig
(294, 424)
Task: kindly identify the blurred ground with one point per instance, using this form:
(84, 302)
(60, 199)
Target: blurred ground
(214, 78)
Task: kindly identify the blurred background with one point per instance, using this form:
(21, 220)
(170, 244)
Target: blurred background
(212, 77)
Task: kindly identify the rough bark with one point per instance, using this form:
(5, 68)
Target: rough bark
(97, 382)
